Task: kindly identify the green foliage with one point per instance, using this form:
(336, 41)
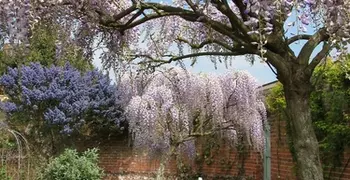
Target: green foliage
(330, 108)
(43, 49)
(72, 166)
(275, 100)
(3, 174)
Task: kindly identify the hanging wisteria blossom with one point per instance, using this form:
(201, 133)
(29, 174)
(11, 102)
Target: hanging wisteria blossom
(171, 107)
(205, 26)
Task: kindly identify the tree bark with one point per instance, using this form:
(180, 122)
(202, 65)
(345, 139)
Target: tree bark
(304, 142)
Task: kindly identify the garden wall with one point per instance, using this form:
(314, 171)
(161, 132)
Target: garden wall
(120, 161)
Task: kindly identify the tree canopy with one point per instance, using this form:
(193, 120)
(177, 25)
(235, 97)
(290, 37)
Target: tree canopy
(43, 48)
(214, 28)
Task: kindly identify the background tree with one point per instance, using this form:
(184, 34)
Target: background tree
(45, 102)
(44, 47)
(223, 28)
(329, 109)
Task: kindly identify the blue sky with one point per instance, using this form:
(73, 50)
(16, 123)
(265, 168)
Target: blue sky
(259, 70)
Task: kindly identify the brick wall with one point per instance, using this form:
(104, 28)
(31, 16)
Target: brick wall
(282, 166)
(120, 161)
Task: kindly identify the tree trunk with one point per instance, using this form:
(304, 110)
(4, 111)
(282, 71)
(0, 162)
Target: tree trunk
(303, 137)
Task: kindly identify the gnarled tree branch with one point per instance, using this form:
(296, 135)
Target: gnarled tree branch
(308, 48)
(158, 62)
(298, 37)
(235, 22)
(317, 59)
(207, 42)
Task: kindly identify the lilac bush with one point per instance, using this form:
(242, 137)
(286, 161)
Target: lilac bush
(61, 96)
(169, 109)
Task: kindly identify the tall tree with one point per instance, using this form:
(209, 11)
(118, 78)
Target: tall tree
(330, 112)
(215, 28)
(44, 47)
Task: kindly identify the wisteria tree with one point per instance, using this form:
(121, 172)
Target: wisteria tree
(59, 100)
(167, 110)
(148, 33)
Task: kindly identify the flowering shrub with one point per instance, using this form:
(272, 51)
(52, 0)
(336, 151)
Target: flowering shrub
(60, 96)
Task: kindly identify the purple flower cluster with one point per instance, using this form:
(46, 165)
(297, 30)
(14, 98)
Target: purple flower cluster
(141, 39)
(61, 95)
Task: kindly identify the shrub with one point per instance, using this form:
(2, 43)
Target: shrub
(72, 166)
(60, 96)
